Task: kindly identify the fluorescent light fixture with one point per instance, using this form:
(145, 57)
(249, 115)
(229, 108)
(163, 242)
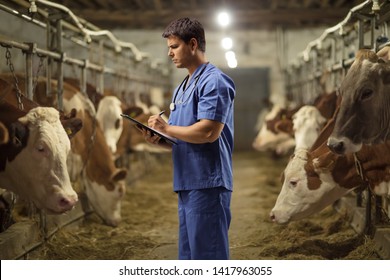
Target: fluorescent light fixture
(232, 63)
(223, 19)
(230, 55)
(227, 43)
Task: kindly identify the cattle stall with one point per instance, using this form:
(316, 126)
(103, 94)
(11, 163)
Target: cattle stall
(82, 58)
(65, 49)
(321, 68)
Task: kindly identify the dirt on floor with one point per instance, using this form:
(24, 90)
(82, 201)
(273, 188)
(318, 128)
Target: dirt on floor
(149, 227)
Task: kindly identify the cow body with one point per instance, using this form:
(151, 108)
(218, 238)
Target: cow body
(363, 116)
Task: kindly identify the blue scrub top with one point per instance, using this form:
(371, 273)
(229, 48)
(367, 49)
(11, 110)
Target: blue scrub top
(209, 165)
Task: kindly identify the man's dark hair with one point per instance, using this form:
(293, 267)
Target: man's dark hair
(186, 29)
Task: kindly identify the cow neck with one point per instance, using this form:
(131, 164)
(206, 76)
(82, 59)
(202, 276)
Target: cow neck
(364, 168)
(327, 104)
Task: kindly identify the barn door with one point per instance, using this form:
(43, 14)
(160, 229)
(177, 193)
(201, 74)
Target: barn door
(252, 92)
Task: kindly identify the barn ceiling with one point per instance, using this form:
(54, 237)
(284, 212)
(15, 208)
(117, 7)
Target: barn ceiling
(246, 14)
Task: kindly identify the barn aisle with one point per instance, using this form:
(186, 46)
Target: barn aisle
(149, 226)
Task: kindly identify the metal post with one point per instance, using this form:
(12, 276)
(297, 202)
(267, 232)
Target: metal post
(49, 60)
(101, 73)
(29, 71)
(60, 67)
(83, 82)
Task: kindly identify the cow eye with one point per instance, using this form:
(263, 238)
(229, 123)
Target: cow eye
(366, 93)
(40, 148)
(293, 184)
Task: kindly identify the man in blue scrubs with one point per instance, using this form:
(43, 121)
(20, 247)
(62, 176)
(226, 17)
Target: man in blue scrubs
(201, 119)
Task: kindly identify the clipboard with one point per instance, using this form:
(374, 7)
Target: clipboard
(163, 136)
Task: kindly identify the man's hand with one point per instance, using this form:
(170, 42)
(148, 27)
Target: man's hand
(153, 139)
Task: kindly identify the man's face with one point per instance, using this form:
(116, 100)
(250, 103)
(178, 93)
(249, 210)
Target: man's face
(179, 52)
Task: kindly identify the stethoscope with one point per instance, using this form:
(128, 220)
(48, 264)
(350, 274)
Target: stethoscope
(172, 106)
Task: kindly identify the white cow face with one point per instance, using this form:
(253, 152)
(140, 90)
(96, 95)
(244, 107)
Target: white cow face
(39, 172)
(109, 117)
(298, 198)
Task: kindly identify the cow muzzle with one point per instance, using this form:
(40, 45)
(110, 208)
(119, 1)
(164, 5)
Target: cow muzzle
(343, 145)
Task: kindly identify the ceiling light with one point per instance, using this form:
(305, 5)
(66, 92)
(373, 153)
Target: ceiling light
(223, 19)
(230, 55)
(227, 43)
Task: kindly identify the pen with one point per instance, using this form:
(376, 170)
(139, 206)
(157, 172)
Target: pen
(162, 112)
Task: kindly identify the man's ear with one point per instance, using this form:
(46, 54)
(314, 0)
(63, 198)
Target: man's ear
(193, 44)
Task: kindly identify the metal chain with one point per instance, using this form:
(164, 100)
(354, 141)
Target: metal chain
(40, 65)
(12, 69)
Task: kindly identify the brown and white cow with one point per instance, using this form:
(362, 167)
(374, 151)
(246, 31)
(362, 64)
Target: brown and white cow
(277, 132)
(108, 112)
(91, 160)
(315, 178)
(271, 139)
(364, 110)
(33, 161)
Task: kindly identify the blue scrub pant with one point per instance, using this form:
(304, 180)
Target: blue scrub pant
(204, 220)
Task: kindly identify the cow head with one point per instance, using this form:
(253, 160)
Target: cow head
(38, 171)
(306, 190)
(363, 116)
(307, 124)
(105, 195)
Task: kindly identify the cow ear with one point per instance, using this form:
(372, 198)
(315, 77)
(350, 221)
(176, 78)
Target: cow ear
(70, 123)
(119, 175)
(18, 134)
(133, 111)
(325, 162)
(72, 126)
(284, 126)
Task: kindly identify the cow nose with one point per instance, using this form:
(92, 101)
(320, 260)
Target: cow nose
(67, 203)
(336, 146)
(272, 217)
